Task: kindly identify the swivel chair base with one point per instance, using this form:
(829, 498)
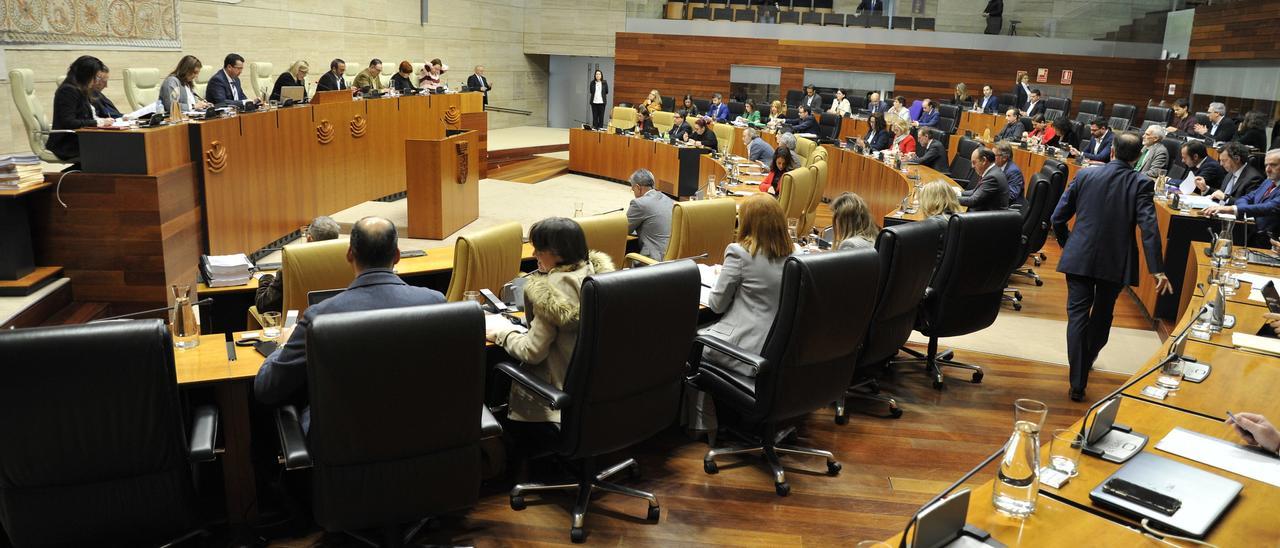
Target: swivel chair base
(1030, 274)
(1012, 296)
(934, 361)
(769, 446)
(872, 393)
(585, 484)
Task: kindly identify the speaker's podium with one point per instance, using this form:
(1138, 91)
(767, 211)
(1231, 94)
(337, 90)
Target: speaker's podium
(443, 183)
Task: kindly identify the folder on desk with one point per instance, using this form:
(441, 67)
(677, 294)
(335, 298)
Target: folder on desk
(1254, 343)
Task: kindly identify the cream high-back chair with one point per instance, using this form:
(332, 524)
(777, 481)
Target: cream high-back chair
(623, 117)
(486, 260)
(663, 120)
(202, 79)
(260, 78)
(805, 148)
(141, 86)
(724, 136)
(819, 169)
(607, 234)
(22, 84)
(796, 191)
(313, 266)
(697, 227)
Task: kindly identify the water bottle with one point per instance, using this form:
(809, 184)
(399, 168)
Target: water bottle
(1018, 481)
(183, 326)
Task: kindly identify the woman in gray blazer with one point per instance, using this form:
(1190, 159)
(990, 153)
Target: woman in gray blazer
(181, 84)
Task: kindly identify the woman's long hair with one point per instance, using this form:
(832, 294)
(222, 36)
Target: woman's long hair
(762, 228)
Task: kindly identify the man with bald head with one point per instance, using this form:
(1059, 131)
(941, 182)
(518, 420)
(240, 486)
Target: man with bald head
(372, 253)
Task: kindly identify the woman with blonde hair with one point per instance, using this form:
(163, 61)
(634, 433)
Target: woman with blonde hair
(961, 96)
(777, 113)
(937, 198)
(653, 102)
(852, 223)
(903, 142)
(295, 76)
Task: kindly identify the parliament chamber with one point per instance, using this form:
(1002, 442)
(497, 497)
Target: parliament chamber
(1012, 288)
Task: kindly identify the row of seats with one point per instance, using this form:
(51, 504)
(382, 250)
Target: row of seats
(815, 17)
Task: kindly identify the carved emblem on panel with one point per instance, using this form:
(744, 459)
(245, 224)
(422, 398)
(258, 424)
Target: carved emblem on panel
(324, 132)
(132, 23)
(216, 157)
(452, 116)
(358, 126)
(462, 162)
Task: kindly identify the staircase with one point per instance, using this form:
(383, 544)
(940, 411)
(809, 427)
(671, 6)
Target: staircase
(1149, 28)
(56, 307)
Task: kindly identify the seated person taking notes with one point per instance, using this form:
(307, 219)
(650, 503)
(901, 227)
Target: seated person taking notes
(878, 137)
(649, 215)
(373, 252)
(805, 122)
(402, 80)
(1206, 172)
(334, 79)
(928, 114)
(702, 134)
(180, 85)
(72, 108)
(1098, 147)
(680, 129)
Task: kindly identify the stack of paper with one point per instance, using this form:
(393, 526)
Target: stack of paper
(226, 270)
(709, 274)
(18, 171)
(1254, 343)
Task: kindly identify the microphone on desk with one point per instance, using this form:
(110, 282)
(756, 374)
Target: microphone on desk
(916, 515)
(610, 211)
(206, 300)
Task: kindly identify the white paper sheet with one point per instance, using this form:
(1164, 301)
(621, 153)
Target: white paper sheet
(1188, 185)
(709, 275)
(1264, 345)
(1197, 202)
(1222, 454)
(495, 321)
(146, 110)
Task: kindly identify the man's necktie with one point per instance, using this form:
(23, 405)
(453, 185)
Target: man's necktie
(1230, 183)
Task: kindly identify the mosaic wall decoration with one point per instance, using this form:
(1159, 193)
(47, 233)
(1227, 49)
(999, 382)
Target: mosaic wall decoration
(135, 23)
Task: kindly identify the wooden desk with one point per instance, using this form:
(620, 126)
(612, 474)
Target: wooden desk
(1248, 320)
(738, 148)
(978, 122)
(141, 151)
(853, 127)
(1247, 523)
(208, 362)
(1239, 381)
(882, 186)
(1054, 524)
(676, 169)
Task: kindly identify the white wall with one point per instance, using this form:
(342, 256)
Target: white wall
(567, 88)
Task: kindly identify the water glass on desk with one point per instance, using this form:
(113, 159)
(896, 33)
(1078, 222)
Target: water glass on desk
(1239, 257)
(473, 296)
(1170, 377)
(270, 325)
(1064, 451)
(793, 225)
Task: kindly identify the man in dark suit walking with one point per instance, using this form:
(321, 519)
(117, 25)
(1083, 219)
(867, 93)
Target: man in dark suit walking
(224, 87)
(1100, 255)
(477, 82)
(333, 80)
(992, 190)
(994, 12)
(373, 252)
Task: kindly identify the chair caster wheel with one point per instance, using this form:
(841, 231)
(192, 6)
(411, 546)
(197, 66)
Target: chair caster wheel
(1039, 282)
(937, 385)
(833, 468)
(577, 535)
(977, 377)
(517, 503)
(842, 419)
(895, 412)
(634, 472)
(654, 513)
(1017, 306)
(947, 355)
(1017, 295)
(710, 467)
(783, 489)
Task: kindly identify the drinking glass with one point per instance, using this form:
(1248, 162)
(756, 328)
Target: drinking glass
(792, 226)
(270, 325)
(1239, 257)
(1229, 280)
(473, 296)
(1064, 451)
(577, 209)
(1170, 377)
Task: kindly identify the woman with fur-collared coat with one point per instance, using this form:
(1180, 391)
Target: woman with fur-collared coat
(553, 298)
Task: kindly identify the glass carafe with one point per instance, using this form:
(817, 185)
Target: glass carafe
(1018, 481)
(1222, 245)
(182, 318)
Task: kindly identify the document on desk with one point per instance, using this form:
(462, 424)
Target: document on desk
(1222, 454)
(1196, 202)
(1256, 282)
(709, 274)
(1254, 343)
(497, 321)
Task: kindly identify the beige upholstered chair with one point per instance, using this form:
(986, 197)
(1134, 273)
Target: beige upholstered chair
(663, 120)
(819, 169)
(623, 118)
(805, 148)
(385, 77)
(141, 86)
(22, 84)
(724, 136)
(797, 189)
(607, 234)
(202, 79)
(819, 155)
(260, 78)
(703, 226)
(485, 260)
(313, 266)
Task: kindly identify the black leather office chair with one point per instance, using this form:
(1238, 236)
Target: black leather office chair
(828, 128)
(908, 254)
(1092, 106)
(1052, 114)
(1161, 115)
(1118, 123)
(1122, 110)
(835, 19)
(857, 101)
(1035, 227)
(94, 447)
(1055, 171)
(966, 291)
(948, 110)
(700, 12)
(792, 17)
(1077, 129)
(961, 168)
(794, 97)
(1006, 102)
(744, 15)
(946, 125)
(811, 18)
(617, 393)
(807, 360)
(392, 440)
(722, 14)
(1173, 145)
(668, 103)
(703, 105)
(736, 109)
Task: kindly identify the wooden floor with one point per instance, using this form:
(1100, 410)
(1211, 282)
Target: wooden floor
(531, 171)
(890, 466)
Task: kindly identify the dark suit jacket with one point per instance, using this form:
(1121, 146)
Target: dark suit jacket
(473, 82)
(330, 82)
(989, 104)
(218, 90)
(1108, 203)
(1253, 137)
(1249, 180)
(1226, 130)
(1037, 108)
(995, 8)
(934, 156)
(814, 102)
(804, 125)
(1212, 172)
(106, 108)
(283, 376)
(991, 192)
(1104, 152)
(1263, 204)
(604, 91)
(286, 79)
(881, 107)
(403, 84)
(879, 141)
(1012, 131)
(677, 133)
(71, 110)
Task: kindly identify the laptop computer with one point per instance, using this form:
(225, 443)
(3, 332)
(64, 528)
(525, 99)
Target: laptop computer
(291, 92)
(1186, 500)
(319, 296)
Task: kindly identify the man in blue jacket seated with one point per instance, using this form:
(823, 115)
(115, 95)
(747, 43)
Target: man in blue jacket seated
(805, 123)
(1262, 205)
(373, 252)
(928, 114)
(718, 111)
(1098, 147)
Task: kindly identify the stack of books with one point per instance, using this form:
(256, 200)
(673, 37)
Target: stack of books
(226, 270)
(19, 171)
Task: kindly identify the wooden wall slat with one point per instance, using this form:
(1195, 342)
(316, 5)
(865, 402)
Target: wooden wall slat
(1236, 31)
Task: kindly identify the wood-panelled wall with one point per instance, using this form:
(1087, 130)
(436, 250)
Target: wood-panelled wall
(1236, 30)
(699, 65)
